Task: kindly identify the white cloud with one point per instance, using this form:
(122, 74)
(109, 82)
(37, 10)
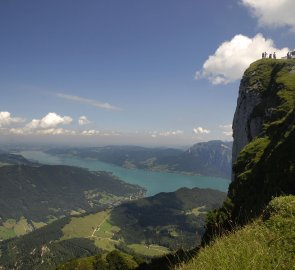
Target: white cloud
(155, 134)
(227, 126)
(92, 102)
(227, 129)
(51, 120)
(227, 133)
(90, 132)
(232, 58)
(17, 131)
(55, 131)
(83, 120)
(200, 130)
(6, 119)
(274, 13)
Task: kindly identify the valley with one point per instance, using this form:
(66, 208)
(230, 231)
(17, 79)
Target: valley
(133, 227)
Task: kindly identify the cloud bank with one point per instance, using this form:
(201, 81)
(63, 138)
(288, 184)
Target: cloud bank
(274, 13)
(232, 57)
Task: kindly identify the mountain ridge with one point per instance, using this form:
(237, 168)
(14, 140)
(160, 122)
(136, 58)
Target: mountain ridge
(205, 158)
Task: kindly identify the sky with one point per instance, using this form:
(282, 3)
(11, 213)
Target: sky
(144, 72)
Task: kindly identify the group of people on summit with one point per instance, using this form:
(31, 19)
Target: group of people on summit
(274, 56)
(264, 55)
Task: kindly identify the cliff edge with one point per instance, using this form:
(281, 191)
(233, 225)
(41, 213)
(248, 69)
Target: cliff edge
(264, 144)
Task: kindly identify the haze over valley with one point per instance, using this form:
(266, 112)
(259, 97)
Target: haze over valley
(147, 135)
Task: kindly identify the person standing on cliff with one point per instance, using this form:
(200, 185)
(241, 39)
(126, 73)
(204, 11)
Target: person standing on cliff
(263, 55)
(274, 55)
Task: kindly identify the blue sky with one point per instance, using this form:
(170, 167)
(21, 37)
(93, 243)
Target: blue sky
(148, 72)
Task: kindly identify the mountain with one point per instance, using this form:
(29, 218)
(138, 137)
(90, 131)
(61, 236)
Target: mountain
(211, 158)
(208, 158)
(145, 227)
(30, 197)
(13, 159)
(174, 219)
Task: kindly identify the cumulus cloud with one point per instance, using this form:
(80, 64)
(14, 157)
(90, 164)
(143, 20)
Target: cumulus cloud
(232, 57)
(155, 134)
(83, 121)
(6, 119)
(200, 130)
(92, 102)
(274, 13)
(51, 120)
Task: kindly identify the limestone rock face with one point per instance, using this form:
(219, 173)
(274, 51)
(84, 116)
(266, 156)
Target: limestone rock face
(245, 126)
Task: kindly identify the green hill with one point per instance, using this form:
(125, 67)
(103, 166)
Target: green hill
(31, 197)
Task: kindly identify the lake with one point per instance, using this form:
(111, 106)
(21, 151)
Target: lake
(153, 182)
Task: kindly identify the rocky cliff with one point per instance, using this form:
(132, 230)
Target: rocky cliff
(264, 143)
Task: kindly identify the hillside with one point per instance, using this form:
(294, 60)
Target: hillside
(13, 159)
(211, 158)
(147, 227)
(207, 158)
(31, 197)
(267, 243)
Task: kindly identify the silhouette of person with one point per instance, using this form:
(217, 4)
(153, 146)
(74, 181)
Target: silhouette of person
(263, 55)
(270, 55)
(274, 55)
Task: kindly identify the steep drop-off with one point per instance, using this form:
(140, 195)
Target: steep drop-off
(264, 144)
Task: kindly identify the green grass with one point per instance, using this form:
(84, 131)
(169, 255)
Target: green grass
(6, 233)
(106, 229)
(267, 243)
(106, 244)
(12, 228)
(149, 250)
(83, 226)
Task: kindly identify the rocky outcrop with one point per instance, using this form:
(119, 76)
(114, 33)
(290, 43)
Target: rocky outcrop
(246, 127)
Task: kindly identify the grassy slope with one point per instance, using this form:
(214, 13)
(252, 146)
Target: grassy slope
(267, 243)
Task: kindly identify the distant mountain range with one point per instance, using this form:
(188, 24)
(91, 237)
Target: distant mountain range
(211, 158)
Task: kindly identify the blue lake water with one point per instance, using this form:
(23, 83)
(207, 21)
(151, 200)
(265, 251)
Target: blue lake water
(153, 182)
